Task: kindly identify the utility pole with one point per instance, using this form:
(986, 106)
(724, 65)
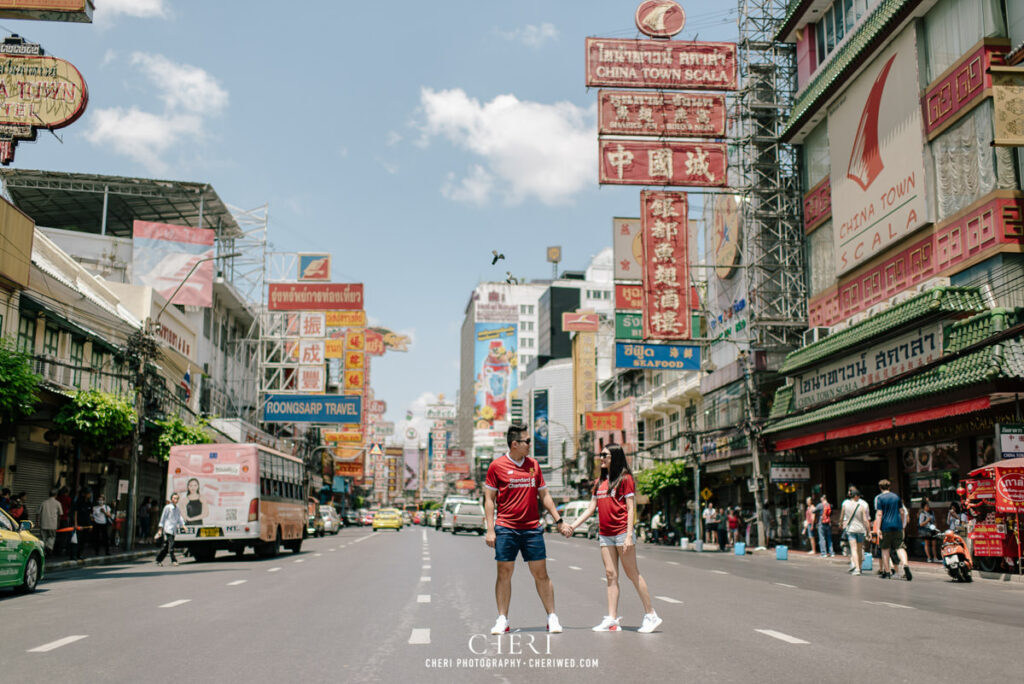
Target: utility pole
(755, 452)
(141, 350)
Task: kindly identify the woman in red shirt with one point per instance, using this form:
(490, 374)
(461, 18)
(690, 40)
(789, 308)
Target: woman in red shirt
(613, 499)
(733, 521)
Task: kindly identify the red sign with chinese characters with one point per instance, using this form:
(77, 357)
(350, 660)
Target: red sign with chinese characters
(315, 296)
(666, 265)
(629, 297)
(630, 112)
(649, 162)
(661, 64)
(603, 420)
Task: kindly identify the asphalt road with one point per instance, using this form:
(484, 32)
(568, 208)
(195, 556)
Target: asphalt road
(417, 605)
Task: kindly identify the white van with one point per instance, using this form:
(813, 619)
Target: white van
(575, 509)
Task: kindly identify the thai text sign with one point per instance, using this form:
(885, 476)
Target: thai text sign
(312, 408)
(873, 365)
(629, 297)
(682, 115)
(660, 64)
(1010, 440)
(666, 265)
(627, 248)
(440, 412)
(38, 91)
(877, 157)
(346, 319)
(789, 472)
(47, 10)
(603, 420)
(629, 326)
(650, 162)
(576, 321)
(657, 356)
(315, 296)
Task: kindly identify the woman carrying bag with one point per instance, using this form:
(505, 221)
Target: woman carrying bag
(855, 524)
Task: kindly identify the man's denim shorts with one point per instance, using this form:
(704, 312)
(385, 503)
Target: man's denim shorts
(508, 543)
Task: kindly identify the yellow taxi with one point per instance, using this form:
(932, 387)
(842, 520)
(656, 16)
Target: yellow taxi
(21, 555)
(387, 518)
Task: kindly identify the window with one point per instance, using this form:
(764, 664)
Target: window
(526, 342)
(224, 334)
(27, 334)
(526, 309)
(815, 154)
(526, 326)
(51, 340)
(97, 365)
(952, 27)
(207, 316)
(77, 354)
(821, 259)
(837, 22)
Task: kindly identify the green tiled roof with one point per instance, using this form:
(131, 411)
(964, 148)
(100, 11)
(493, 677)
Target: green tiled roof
(981, 327)
(997, 361)
(781, 403)
(883, 17)
(936, 300)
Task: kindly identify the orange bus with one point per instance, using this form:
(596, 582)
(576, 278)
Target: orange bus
(237, 496)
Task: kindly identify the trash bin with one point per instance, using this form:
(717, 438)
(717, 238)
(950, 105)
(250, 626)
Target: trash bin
(781, 552)
(698, 545)
(740, 548)
(684, 543)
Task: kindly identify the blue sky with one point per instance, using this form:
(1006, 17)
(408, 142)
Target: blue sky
(408, 139)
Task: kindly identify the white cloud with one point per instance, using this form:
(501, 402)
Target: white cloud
(394, 137)
(132, 8)
(530, 35)
(182, 86)
(529, 149)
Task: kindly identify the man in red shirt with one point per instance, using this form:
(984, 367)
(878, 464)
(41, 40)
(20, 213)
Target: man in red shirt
(514, 483)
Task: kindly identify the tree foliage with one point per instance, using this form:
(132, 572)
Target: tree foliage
(18, 384)
(664, 477)
(99, 420)
(173, 432)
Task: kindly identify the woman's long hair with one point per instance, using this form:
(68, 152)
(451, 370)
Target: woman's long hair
(616, 470)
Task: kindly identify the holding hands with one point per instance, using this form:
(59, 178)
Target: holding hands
(567, 530)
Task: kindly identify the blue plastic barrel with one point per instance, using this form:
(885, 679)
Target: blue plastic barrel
(740, 548)
(866, 565)
(781, 553)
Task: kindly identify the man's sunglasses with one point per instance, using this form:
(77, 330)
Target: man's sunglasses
(523, 441)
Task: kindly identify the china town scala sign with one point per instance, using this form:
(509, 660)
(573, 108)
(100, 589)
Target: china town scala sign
(36, 91)
(624, 63)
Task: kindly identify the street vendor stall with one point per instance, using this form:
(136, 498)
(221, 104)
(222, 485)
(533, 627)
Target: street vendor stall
(993, 497)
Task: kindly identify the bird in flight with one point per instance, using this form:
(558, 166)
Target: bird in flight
(511, 279)
(497, 257)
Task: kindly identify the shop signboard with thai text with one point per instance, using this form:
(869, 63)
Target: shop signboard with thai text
(656, 162)
(603, 420)
(48, 10)
(346, 319)
(661, 64)
(873, 365)
(315, 296)
(666, 265)
(629, 326)
(629, 297)
(657, 356)
(660, 114)
(789, 472)
(1010, 440)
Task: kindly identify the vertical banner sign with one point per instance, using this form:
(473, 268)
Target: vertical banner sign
(540, 425)
(412, 468)
(627, 248)
(584, 371)
(495, 356)
(666, 265)
(163, 255)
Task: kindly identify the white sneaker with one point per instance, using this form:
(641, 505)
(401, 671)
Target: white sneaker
(608, 624)
(554, 626)
(856, 573)
(651, 623)
(500, 625)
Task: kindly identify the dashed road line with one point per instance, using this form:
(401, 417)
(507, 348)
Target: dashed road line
(297, 560)
(720, 572)
(890, 605)
(317, 554)
(58, 643)
(424, 578)
(419, 636)
(552, 559)
(672, 562)
(273, 569)
(174, 604)
(575, 567)
(781, 637)
(236, 583)
(668, 599)
(426, 567)
(789, 586)
(423, 598)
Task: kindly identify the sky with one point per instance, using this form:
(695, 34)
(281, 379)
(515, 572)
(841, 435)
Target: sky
(408, 139)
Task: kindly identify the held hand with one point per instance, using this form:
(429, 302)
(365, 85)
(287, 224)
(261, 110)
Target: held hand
(567, 531)
(490, 537)
(628, 543)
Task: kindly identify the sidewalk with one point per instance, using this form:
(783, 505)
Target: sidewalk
(61, 563)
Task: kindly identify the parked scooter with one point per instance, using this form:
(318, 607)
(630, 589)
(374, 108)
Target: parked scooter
(955, 557)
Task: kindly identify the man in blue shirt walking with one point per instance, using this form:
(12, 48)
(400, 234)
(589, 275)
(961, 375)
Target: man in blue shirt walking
(890, 516)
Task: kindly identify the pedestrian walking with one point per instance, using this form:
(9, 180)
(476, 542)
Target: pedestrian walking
(823, 512)
(810, 525)
(658, 526)
(513, 485)
(101, 522)
(855, 522)
(613, 497)
(50, 512)
(64, 525)
(81, 524)
(171, 521)
(928, 531)
(890, 516)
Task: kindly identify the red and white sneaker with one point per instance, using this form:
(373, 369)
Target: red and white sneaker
(500, 625)
(608, 624)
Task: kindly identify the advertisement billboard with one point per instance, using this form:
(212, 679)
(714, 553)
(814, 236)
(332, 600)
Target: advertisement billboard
(681, 115)
(411, 478)
(577, 321)
(627, 249)
(495, 364)
(660, 64)
(315, 296)
(48, 10)
(346, 319)
(876, 145)
(666, 265)
(657, 356)
(163, 255)
(654, 162)
(540, 425)
(312, 408)
(314, 267)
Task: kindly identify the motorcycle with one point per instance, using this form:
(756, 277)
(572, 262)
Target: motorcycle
(955, 558)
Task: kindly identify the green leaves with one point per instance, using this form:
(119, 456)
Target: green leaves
(664, 477)
(99, 420)
(174, 432)
(18, 384)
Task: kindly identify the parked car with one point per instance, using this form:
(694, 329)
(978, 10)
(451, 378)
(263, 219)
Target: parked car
(22, 561)
(387, 518)
(575, 509)
(468, 517)
(417, 518)
(352, 518)
(448, 509)
(406, 518)
(368, 517)
(332, 523)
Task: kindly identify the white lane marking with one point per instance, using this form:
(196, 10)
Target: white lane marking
(58, 643)
(174, 604)
(297, 560)
(424, 536)
(781, 637)
(426, 567)
(720, 572)
(331, 549)
(672, 563)
(668, 599)
(641, 556)
(552, 559)
(890, 605)
(317, 554)
(273, 569)
(423, 598)
(424, 579)
(236, 583)
(420, 636)
(791, 586)
(356, 541)
(575, 567)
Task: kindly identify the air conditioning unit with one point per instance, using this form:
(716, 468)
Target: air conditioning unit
(812, 335)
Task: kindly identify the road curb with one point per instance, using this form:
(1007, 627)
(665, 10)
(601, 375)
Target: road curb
(92, 561)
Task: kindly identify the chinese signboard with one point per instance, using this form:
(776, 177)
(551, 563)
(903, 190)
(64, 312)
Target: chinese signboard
(659, 64)
(789, 472)
(666, 285)
(1010, 440)
(580, 321)
(312, 378)
(627, 248)
(1008, 99)
(584, 371)
(660, 114)
(657, 356)
(325, 408)
(603, 420)
(629, 297)
(315, 296)
(654, 162)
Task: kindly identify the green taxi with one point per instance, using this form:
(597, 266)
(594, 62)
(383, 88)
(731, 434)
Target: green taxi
(21, 555)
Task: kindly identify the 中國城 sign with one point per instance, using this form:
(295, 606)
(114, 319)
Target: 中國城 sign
(656, 162)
